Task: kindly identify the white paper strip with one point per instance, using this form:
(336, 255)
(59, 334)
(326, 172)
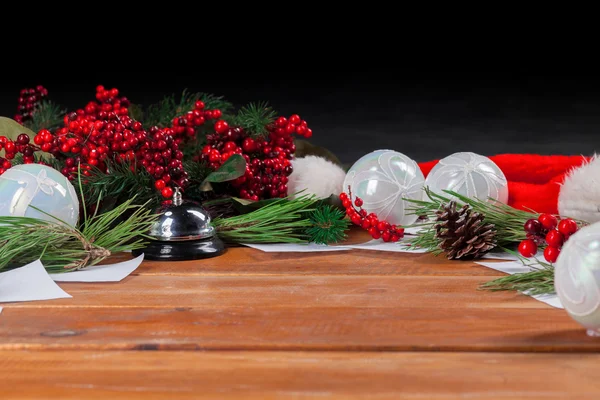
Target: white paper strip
(516, 267)
(0, 310)
(29, 283)
(294, 248)
(503, 255)
(101, 273)
(380, 245)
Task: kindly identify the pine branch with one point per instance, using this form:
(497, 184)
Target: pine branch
(539, 281)
(282, 221)
(507, 221)
(254, 118)
(46, 115)
(328, 225)
(162, 113)
(123, 181)
(62, 248)
(197, 172)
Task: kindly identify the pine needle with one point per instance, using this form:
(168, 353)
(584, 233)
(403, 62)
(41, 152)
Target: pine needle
(63, 248)
(538, 281)
(508, 221)
(328, 225)
(46, 115)
(282, 221)
(254, 118)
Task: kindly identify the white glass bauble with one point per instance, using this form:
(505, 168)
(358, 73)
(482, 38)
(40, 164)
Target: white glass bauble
(383, 179)
(577, 277)
(469, 174)
(39, 186)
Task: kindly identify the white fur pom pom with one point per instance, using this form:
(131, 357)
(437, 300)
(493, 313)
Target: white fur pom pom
(579, 195)
(315, 175)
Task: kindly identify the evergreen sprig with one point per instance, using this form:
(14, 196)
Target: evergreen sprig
(328, 225)
(538, 281)
(508, 221)
(62, 248)
(282, 221)
(124, 180)
(254, 118)
(46, 115)
(162, 113)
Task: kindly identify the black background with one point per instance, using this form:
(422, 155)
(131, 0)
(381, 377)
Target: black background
(424, 114)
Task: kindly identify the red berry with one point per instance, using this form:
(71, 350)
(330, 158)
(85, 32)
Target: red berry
(295, 119)
(356, 219)
(555, 239)
(160, 184)
(167, 192)
(10, 147)
(533, 226)
(548, 221)
(358, 202)
(383, 225)
(366, 224)
(567, 227)
(347, 203)
(551, 254)
(527, 248)
(343, 196)
(221, 126)
(386, 236)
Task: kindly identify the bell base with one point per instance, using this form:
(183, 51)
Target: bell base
(181, 251)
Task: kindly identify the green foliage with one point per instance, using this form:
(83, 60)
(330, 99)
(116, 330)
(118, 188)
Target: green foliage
(162, 113)
(232, 168)
(254, 118)
(47, 115)
(328, 225)
(508, 221)
(282, 221)
(123, 181)
(538, 281)
(62, 248)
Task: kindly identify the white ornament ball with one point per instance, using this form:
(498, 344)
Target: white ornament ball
(23, 187)
(315, 175)
(469, 174)
(383, 179)
(577, 277)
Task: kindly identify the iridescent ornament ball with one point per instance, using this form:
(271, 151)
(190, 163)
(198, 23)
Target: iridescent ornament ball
(383, 179)
(23, 188)
(470, 175)
(577, 277)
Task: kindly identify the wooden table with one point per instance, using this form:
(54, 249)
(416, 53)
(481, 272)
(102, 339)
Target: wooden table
(254, 325)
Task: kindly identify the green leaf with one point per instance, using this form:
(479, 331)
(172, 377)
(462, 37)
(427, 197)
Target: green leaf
(233, 168)
(136, 112)
(305, 148)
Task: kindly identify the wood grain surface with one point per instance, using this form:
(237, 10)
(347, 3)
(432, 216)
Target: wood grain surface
(249, 324)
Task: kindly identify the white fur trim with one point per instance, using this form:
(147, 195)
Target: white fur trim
(315, 175)
(579, 195)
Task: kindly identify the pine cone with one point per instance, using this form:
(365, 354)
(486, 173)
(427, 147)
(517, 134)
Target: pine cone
(462, 233)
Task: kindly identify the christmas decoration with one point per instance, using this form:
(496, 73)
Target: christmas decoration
(316, 175)
(577, 277)
(38, 191)
(469, 174)
(488, 225)
(546, 231)
(378, 229)
(384, 180)
(462, 233)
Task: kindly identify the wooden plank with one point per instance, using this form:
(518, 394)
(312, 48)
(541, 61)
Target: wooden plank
(271, 328)
(243, 260)
(282, 375)
(171, 291)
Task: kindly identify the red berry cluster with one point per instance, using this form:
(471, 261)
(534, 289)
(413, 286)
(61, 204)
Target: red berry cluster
(104, 129)
(546, 230)
(369, 221)
(267, 159)
(28, 100)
